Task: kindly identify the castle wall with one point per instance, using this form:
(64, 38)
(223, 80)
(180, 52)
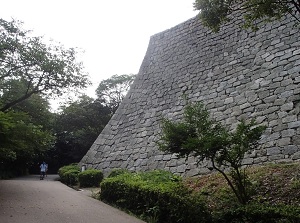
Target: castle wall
(235, 73)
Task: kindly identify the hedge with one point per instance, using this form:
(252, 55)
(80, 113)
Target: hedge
(69, 174)
(260, 213)
(90, 178)
(154, 194)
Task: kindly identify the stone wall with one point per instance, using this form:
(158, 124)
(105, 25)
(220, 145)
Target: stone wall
(235, 73)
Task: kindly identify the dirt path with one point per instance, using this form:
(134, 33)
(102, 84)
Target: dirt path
(28, 199)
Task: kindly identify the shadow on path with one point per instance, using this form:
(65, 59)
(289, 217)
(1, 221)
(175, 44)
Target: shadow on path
(29, 199)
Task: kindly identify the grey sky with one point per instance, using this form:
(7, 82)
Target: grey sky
(113, 34)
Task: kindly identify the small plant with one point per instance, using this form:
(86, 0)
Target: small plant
(96, 194)
(116, 172)
(90, 178)
(200, 136)
(296, 184)
(152, 215)
(256, 212)
(69, 174)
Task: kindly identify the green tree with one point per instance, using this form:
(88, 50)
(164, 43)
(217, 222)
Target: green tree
(113, 90)
(204, 138)
(47, 69)
(25, 130)
(213, 13)
(21, 141)
(36, 106)
(76, 127)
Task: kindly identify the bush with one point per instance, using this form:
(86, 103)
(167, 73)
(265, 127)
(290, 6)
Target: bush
(69, 174)
(116, 172)
(71, 177)
(158, 195)
(73, 166)
(260, 213)
(90, 178)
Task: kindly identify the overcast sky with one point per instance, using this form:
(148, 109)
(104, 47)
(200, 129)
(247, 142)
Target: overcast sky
(113, 33)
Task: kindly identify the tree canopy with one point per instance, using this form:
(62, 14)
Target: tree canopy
(25, 134)
(47, 69)
(76, 128)
(31, 71)
(197, 134)
(214, 13)
(113, 90)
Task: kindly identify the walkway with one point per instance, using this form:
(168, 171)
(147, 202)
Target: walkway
(28, 199)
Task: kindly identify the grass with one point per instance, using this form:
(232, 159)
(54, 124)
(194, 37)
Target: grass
(273, 184)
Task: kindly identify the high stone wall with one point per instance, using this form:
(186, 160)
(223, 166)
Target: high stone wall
(235, 73)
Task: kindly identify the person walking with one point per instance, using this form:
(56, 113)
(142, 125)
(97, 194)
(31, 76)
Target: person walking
(43, 168)
(46, 169)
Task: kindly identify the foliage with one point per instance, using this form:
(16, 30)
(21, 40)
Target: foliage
(69, 174)
(26, 131)
(90, 178)
(275, 196)
(198, 135)
(79, 123)
(21, 141)
(259, 213)
(64, 169)
(70, 177)
(77, 126)
(214, 13)
(116, 172)
(38, 109)
(31, 72)
(156, 195)
(113, 90)
(276, 184)
(38, 68)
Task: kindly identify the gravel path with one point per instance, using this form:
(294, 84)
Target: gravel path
(30, 200)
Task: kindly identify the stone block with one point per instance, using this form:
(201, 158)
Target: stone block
(288, 133)
(287, 107)
(295, 124)
(283, 141)
(289, 119)
(275, 157)
(296, 156)
(260, 160)
(290, 149)
(273, 151)
(248, 161)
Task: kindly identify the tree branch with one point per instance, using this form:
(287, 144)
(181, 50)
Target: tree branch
(13, 103)
(228, 181)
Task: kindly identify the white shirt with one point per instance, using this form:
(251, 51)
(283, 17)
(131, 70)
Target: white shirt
(43, 167)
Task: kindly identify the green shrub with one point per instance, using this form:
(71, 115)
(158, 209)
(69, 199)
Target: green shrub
(260, 213)
(73, 166)
(116, 172)
(90, 178)
(71, 177)
(69, 174)
(158, 195)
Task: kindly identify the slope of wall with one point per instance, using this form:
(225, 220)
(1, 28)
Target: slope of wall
(236, 73)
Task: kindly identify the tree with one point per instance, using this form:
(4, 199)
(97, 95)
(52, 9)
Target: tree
(113, 90)
(204, 138)
(21, 141)
(36, 106)
(25, 130)
(214, 13)
(76, 127)
(42, 69)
